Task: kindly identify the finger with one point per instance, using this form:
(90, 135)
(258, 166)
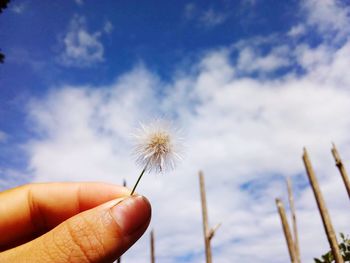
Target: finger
(100, 234)
(31, 210)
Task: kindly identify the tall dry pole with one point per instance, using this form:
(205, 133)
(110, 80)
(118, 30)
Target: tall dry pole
(294, 220)
(323, 209)
(341, 167)
(207, 232)
(286, 230)
(152, 247)
(120, 259)
(205, 219)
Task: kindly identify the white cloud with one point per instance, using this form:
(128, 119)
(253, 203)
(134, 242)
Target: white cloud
(211, 18)
(249, 61)
(190, 10)
(108, 27)
(19, 8)
(249, 2)
(328, 16)
(297, 31)
(245, 133)
(204, 17)
(79, 2)
(82, 48)
(3, 136)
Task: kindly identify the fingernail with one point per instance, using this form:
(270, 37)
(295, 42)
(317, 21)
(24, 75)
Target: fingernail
(131, 214)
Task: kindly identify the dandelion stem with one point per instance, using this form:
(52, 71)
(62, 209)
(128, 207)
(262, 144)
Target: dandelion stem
(138, 180)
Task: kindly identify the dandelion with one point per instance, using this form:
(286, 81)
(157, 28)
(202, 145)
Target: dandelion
(156, 148)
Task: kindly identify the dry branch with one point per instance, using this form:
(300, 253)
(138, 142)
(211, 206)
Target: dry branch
(286, 230)
(205, 219)
(152, 247)
(213, 231)
(323, 209)
(341, 167)
(294, 220)
(120, 259)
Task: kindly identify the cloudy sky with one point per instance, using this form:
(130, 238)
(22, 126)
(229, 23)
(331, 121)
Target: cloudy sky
(249, 83)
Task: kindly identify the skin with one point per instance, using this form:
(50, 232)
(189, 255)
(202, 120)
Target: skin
(70, 222)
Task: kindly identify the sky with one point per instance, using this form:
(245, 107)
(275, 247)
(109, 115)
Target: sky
(247, 83)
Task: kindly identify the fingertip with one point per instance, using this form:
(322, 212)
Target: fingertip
(132, 214)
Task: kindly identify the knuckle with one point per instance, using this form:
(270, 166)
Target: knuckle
(76, 240)
(86, 238)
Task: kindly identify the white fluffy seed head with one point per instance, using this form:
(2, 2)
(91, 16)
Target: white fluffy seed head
(156, 146)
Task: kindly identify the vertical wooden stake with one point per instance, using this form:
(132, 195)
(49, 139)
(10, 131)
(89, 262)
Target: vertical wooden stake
(120, 259)
(205, 219)
(340, 165)
(152, 247)
(286, 230)
(294, 220)
(323, 209)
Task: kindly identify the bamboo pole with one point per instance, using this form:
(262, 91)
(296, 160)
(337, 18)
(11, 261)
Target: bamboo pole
(152, 247)
(205, 219)
(286, 231)
(294, 220)
(341, 167)
(323, 209)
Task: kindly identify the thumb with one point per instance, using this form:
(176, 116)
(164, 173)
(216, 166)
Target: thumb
(101, 234)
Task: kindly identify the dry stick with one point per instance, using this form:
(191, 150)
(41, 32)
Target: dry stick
(213, 231)
(120, 259)
(205, 219)
(152, 247)
(323, 209)
(286, 230)
(294, 220)
(341, 167)
(124, 182)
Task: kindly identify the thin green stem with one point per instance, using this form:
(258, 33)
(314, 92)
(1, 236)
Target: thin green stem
(138, 180)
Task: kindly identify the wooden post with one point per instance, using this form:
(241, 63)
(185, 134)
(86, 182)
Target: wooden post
(152, 247)
(323, 209)
(286, 230)
(294, 220)
(205, 219)
(341, 167)
(120, 259)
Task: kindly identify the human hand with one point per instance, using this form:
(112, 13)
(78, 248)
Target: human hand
(70, 222)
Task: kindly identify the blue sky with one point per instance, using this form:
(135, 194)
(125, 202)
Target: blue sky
(165, 36)
(248, 82)
(160, 34)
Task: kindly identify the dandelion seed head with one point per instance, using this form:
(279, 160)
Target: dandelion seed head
(156, 146)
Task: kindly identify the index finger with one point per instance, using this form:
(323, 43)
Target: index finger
(30, 210)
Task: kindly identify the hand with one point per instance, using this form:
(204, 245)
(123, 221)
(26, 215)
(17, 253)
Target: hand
(70, 222)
